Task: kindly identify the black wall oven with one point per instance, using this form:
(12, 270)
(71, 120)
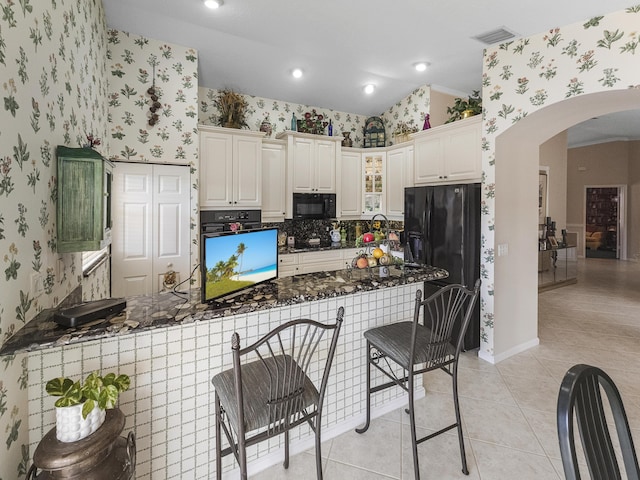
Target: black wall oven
(314, 206)
(216, 221)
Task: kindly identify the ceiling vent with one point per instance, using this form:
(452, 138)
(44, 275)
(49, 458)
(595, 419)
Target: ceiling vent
(498, 35)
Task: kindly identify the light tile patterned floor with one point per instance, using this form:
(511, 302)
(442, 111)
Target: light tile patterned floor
(509, 423)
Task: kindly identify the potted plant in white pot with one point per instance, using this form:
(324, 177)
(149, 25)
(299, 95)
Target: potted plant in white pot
(80, 410)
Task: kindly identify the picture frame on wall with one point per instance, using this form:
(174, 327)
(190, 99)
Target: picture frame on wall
(543, 179)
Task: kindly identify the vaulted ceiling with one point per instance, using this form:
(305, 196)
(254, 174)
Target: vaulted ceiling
(253, 45)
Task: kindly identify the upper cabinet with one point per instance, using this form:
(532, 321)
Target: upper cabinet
(449, 153)
(83, 208)
(350, 184)
(373, 181)
(274, 175)
(311, 162)
(399, 176)
(230, 167)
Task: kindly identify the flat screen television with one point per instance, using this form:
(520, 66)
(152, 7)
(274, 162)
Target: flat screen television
(234, 261)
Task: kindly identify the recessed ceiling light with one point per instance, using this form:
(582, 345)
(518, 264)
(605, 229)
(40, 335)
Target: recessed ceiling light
(212, 4)
(421, 66)
(368, 89)
(296, 72)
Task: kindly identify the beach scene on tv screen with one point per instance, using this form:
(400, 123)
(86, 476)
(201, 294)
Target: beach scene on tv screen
(235, 262)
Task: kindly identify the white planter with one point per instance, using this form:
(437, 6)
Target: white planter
(71, 427)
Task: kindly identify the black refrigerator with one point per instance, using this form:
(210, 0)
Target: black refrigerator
(442, 228)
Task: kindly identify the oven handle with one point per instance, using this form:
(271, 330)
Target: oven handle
(212, 228)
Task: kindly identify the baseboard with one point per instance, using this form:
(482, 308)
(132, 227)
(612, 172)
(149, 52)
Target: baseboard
(304, 444)
(509, 353)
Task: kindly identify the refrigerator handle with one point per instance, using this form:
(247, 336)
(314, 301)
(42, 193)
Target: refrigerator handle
(427, 230)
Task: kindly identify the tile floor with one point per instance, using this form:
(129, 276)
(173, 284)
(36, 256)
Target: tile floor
(508, 409)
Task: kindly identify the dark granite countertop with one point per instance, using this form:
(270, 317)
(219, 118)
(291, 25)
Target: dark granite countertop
(144, 313)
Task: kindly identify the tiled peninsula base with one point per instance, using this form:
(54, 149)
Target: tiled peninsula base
(170, 406)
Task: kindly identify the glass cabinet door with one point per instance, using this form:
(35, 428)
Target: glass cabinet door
(373, 187)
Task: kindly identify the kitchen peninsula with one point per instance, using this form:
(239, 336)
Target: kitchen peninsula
(171, 347)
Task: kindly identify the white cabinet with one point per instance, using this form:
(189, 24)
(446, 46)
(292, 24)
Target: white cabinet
(230, 167)
(373, 181)
(449, 153)
(311, 162)
(274, 174)
(383, 174)
(350, 184)
(310, 262)
(313, 166)
(324, 261)
(399, 176)
(348, 254)
(287, 265)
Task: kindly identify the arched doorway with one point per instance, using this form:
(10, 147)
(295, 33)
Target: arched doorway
(516, 210)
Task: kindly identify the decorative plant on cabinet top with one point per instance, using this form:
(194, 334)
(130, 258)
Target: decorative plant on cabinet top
(232, 109)
(465, 108)
(313, 122)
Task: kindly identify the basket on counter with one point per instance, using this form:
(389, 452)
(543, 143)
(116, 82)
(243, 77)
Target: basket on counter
(377, 246)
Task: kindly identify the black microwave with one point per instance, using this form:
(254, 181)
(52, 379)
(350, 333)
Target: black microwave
(314, 205)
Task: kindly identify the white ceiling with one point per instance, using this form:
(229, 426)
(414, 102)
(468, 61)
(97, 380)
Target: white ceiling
(620, 126)
(252, 45)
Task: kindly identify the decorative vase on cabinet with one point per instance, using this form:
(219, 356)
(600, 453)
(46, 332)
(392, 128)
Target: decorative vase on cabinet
(266, 127)
(346, 141)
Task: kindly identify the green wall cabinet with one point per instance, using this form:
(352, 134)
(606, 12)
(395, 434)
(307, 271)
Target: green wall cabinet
(84, 200)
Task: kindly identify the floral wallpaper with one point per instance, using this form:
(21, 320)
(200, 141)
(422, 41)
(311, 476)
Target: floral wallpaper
(132, 62)
(54, 92)
(98, 284)
(410, 111)
(279, 113)
(528, 74)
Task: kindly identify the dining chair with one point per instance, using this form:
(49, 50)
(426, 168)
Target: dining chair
(405, 349)
(269, 390)
(580, 401)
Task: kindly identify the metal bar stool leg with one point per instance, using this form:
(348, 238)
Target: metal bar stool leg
(242, 457)
(218, 441)
(365, 427)
(286, 449)
(318, 449)
(463, 456)
(412, 421)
